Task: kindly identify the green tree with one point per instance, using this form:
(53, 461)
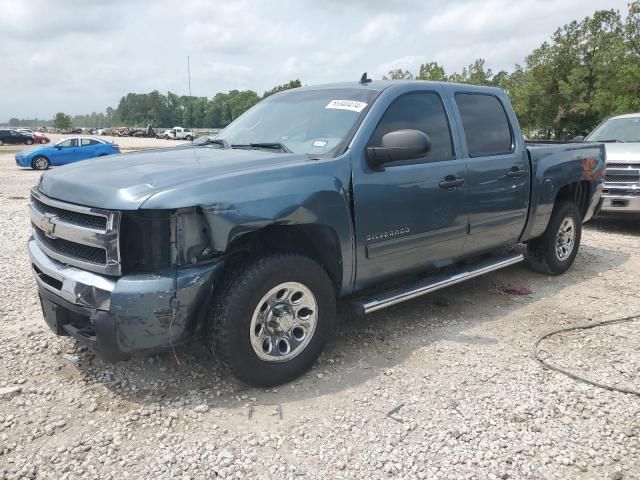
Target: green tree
(285, 86)
(632, 27)
(398, 74)
(475, 74)
(432, 71)
(62, 121)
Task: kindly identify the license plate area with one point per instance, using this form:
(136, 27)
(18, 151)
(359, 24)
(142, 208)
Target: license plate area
(64, 321)
(619, 203)
(54, 316)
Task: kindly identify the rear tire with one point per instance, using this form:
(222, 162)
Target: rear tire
(43, 141)
(271, 318)
(40, 163)
(554, 252)
(189, 138)
(29, 142)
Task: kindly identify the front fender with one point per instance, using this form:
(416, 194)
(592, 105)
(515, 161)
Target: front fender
(300, 192)
(301, 201)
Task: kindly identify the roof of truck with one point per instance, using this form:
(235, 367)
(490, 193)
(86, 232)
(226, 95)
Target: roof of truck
(379, 85)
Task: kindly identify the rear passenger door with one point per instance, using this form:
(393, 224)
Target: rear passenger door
(497, 172)
(88, 148)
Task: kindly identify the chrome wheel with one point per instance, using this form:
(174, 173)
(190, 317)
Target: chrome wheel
(41, 163)
(565, 239)
(283, 322)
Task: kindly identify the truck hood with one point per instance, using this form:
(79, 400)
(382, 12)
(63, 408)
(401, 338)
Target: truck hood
(125, 182)
(623, 152)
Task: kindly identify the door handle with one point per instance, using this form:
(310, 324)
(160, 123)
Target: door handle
(516, 172)
(450, 182)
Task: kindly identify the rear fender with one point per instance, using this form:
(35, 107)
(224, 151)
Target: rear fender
(556, 171)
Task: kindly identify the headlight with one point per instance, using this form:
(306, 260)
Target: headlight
(152, 240)
(145, 240)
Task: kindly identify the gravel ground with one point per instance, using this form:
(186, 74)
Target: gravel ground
(455, 369)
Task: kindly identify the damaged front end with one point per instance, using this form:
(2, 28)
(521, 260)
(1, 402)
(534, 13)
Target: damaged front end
(167, 272)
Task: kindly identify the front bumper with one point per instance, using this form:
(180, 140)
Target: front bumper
(621, 202)
(116, 316)
(21, 162)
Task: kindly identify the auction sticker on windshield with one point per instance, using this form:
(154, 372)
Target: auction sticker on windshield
(352, 105)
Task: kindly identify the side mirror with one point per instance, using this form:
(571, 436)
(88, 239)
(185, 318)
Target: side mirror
(59, 147)
(579, 138)
(399, 145)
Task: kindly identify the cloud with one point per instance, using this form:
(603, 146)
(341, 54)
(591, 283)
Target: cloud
(80, 56)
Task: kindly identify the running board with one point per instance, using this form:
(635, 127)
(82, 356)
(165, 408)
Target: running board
(382, 300)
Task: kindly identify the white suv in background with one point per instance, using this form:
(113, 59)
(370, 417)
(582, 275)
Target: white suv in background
(621, 135)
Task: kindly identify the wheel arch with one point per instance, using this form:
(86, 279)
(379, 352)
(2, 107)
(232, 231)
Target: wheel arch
(320, 242)
(577, 192)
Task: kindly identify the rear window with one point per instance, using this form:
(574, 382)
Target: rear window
(485, 123)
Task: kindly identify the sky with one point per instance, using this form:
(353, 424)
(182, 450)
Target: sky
(81, 56)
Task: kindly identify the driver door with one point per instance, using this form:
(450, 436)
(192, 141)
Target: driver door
(68, 152)
(408, 216)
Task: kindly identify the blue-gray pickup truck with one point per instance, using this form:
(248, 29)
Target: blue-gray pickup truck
(247, 239)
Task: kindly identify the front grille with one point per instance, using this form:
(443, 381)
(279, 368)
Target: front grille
(622, 177)
(76, 218)
(64, 247)
(48, 279)
(623, 165)
(84, 237)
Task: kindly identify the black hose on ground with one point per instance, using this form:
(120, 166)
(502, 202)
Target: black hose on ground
(573, 375)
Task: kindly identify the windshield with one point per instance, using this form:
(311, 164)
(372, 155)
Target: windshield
(617, 130)
(315, 122)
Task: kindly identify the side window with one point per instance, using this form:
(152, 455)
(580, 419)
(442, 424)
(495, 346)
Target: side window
(69, 142)
(88, 141)
(485, 123)
(422, 111)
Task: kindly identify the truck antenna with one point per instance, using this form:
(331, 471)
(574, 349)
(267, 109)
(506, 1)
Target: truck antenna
(364, 80)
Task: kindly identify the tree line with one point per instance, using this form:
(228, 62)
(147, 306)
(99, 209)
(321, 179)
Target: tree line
(587, 71)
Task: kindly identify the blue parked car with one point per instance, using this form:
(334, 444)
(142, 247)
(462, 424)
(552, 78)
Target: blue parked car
(65, 151)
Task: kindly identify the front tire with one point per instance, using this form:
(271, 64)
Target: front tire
(40, 163)
(189, 138)
(29, 142)
(43, 141)
(271, 318)
(554, 252)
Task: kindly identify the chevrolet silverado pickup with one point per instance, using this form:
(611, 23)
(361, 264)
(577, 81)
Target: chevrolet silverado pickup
(247, 239)
(621, 136)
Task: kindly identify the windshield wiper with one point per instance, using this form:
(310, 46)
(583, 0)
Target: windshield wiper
(266, 145)
(610, 140)
(212, 141)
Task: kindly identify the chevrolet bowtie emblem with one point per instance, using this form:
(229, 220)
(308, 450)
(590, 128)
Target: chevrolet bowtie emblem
(47, 224)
